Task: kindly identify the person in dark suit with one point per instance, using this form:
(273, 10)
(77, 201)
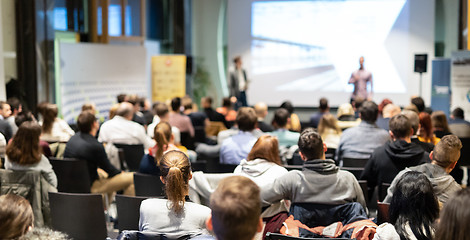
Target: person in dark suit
(238, 84)
(5, 128)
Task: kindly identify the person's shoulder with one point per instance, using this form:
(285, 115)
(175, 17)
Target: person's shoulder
(152, 202)
(198, 207)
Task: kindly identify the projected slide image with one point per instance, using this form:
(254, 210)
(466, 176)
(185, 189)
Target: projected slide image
(314, 46)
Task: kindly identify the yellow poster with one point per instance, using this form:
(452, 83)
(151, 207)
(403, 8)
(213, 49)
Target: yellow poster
(168, 77)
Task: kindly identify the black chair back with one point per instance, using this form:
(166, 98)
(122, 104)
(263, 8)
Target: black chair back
(330, 153)
(187, 140)
(128, 210)
(383, 191)
(382, 213)
(72, 175)
(465, 152)
(355, 162)
(147, 185)
(363, 184)
(81, 216)
(278, 236)
(132, 155)
(356, 171)
(199, 166)
(214, 166)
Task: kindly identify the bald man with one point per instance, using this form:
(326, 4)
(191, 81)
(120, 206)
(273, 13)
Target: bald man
(261, 110)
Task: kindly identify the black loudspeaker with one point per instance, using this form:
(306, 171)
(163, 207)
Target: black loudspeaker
(189, 64)
(421, 63)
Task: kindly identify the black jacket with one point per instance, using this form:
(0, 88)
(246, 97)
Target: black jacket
(387, 161)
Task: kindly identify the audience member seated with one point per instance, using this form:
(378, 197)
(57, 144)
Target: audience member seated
(24, 153)
(261, 110)
(294, 124)
(122, 98)
(236, 147)
(329, 130)
(413, 210)
(280, 121)
(263, 163)
(177, 119)
(16, 108)
(227, 110)
(360, 141)
(164, 142)
(457, 124)
(357, 104)
(137, 116)
(414, 120)
(45, 233)
(382, 105)
(236, 210)
(320, 181)
(444, 158)
(346, 118)
(54, 128)
(439, 124)
(174, 216)
(426, 132)
(163, 115)
(121, 129)
(419, 103)
(388, 112)
(146, 110)
(5, 127)
(217, 121)
(323, 109)
(16, 216)
(198, 119)
(27, 116)
(84, 146)
(388, 160)
(454, 219)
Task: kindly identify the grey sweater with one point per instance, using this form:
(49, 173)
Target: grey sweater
(320, 181)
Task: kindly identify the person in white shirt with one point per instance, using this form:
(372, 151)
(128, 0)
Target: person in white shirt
(121, 129)
(54, 128)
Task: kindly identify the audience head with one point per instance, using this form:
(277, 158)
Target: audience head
(187, 103)
(345, 109)
(414, 120)
(382, 104)
(419, 103)
(369, 112)
(412, 107)
(113, 109)
(390, 110)
(5, 109)
(458, 113)
(16, 216)
(43, 234)
(206, 102)
(446, 153)
(122, 98)
(227, 103)
(236, 209)
(125, 110)
(162, 111)
(175, 174)
(400, 127)
(49, 115)
(176, 104)
(415, 204)
(24, 149)
(323, 104)
(246, 119)
(163, 136)
(281, 118)
(267, 148)
(135, 101)
(24, 116)
(87, 122)
(439, 121)
(15, 105)
(328, 121)
(261, 110)
(89, 107)
(311, 145)
(453, 223)
(41, 108)
(425, 130)
(358, 101)
(288, 106)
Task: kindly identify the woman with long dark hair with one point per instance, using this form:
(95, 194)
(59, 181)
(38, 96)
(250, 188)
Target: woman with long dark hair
(174, 216)
(413, 210)
(54, 128)
(455, 216)
(24, 152)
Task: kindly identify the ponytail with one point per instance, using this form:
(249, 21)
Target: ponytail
(162, 135)
(176, 170)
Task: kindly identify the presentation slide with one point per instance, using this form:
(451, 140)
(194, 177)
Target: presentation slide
(305, 50)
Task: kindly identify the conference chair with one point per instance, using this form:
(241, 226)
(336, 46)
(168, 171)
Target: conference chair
(382, 213)
(199, 166)
(292, 167)
(132, 155)
(330, 153)
(355, 162)
(128, 211)
(214, 166)
(383, 191)
(363, 184)
(278, 236)
(147, 185)
(72, 175)
(356, 171)
(81, 216)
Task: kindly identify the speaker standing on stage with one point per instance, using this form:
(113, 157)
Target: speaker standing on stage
(360, 78)
(238, 84)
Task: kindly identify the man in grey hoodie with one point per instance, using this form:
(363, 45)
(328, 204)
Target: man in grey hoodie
(319, 182)
(444, 158)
